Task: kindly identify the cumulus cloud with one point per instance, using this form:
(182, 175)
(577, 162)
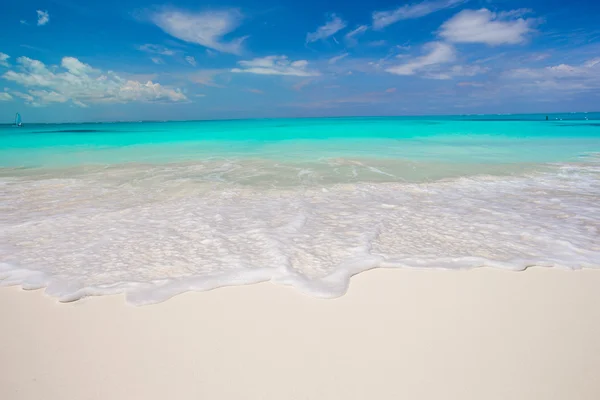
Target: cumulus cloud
(437, 53)
(156, 49)
(275, 65)
(4, 60)
(191, 60)
(42, 17)
(485, 26)
(5, 96)
(331, 27)
(351, 36)
(82, 84)
(205, 28)
(335, 59)
(381, 19)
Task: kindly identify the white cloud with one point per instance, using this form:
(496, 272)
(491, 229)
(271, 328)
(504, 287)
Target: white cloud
(519, 12)
(27, 97)
(4, 60)
(438, 53)
(48, 97)
(23, 22)
(275, 65)
(484, 26)
(82, 84)
(335, 59)
(156, 49)
(42, 17)
(351, 36)
(206, 28)
(331, 27)
(381, 19)
(157, 60)
(5, 96)
(191, 60)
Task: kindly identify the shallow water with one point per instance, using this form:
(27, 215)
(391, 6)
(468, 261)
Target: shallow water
(155, 209)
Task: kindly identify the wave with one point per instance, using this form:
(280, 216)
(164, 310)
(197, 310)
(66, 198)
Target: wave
(152, 235)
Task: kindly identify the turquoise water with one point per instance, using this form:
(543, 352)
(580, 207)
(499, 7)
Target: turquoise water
(154, 209)
(496, 139)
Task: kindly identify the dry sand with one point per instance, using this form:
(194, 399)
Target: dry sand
(398, 334)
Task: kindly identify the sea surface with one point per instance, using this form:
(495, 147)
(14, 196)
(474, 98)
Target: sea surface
(154, 209)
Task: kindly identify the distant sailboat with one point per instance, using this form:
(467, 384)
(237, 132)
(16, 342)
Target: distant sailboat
(18, 120)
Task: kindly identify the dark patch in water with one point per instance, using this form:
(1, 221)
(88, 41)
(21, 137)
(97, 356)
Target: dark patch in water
(76, 131)
(597, 124)
(497, 119)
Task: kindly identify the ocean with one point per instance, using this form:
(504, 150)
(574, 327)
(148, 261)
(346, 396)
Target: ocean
(154, 209)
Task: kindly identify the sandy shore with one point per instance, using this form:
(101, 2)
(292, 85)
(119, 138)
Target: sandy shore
(397, 334)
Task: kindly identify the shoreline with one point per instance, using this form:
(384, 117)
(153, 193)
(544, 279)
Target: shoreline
(422, 334)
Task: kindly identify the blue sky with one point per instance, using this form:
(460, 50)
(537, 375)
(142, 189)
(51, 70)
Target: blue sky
(75, 60)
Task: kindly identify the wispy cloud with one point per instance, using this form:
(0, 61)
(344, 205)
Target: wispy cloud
(381, 19)
(562, 77)
(42, 17)
(275, 65)
(351, 36)
(485, 26)
(26, 46)
(331, 27)
(437, 53)
(5, 96)
(255, 91)
(377, 43)
(205, 28)
(4, 60)
(470, 84)
(191, 60)
(304, 82)
(457, 71)
(363, 98)
(335, 59)
(82, 84)
(157, 60)
(207, 77)
(156, 49)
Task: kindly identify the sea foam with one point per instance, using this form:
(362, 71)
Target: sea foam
(155, 232)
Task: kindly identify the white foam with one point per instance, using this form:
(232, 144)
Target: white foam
(154, 233)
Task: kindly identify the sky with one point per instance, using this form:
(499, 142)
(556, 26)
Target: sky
(86, 60)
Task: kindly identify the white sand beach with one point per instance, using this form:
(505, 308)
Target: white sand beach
(397, 334)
